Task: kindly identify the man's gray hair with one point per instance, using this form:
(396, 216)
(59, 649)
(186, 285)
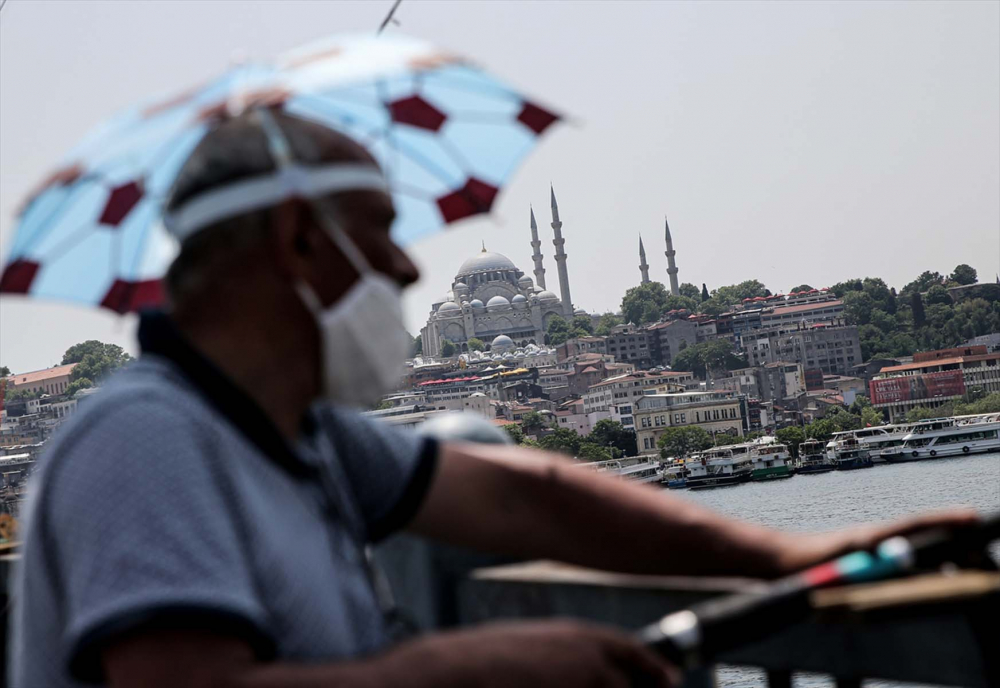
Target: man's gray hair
(238, 149)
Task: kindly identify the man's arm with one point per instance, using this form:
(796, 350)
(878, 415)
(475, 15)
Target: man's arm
(527, 655)
(537, 505)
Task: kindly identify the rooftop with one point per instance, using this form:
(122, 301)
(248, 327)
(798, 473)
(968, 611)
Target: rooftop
(41, 375)
(939, 362)
(785, 310)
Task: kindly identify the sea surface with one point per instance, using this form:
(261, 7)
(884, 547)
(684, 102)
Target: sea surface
(839, 499)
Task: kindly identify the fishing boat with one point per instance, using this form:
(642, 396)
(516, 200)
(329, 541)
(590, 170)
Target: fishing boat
(719, 467)
(962, 436)
(849, 454)
(813, 458)
(770, 462)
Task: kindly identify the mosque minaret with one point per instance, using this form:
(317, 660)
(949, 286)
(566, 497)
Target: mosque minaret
(643, 265)
(536, 252)
(558, 242)
(671, 265)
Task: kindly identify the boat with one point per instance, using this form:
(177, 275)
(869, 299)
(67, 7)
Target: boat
(897, 454)
(849, 454)
(674, 476)
(719, 467)
(813, 458)
(961, 436)
(770, 462)
(878, 438)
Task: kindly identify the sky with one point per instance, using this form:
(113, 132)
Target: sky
(793, 143)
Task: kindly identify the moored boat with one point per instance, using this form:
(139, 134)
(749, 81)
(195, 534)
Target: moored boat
(770, 462)
(850, 455)
(718, 467)
(812, 458)
(961, 436)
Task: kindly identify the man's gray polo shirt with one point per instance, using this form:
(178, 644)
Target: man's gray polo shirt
(161, 505)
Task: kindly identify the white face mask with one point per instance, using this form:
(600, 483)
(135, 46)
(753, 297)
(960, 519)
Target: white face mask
(363, 342)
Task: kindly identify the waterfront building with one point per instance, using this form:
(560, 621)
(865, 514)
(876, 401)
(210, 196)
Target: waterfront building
(934, 378)
(617, 395)
(714, 412)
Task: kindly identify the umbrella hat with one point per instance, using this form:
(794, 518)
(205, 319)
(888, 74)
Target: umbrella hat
(446, 134)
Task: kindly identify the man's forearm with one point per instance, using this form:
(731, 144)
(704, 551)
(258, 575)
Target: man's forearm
(534, 504)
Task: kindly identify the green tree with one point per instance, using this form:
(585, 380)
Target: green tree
(964, 274)
(418, 345)
(94, 360)
(690, 291)
(582, 326)
(714, 355)
(937, 294)
(533, 421)
(21, 394)
(858, 307)
(683, 441)
(562, 440)
(4, 371)
(645, 303)
(724, 438)
(677, 303)
(871, 416)
(704, 292)
(847, 286)
(917, 308)
(476, 344)
(558, 331)
(515, 432)
(860, 403)
(76, 385)
(924, 282)
(713, 307)
(611, 433)
(447, 348)
(791, 436)
(588, 451)
(607, 322)
(735, 293)
(801, 287)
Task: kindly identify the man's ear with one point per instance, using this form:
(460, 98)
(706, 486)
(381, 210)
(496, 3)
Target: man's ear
(292, 238)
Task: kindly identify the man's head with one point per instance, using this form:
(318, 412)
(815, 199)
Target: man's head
(247, 273)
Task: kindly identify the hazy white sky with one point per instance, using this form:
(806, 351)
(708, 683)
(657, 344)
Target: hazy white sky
(789, 142)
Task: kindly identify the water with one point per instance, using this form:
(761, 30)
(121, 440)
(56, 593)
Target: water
(839, 499)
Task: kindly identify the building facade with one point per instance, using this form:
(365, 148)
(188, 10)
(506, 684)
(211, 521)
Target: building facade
(630, 344)
(834, 350)
(714, 412)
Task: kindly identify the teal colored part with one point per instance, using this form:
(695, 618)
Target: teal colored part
(861, 566)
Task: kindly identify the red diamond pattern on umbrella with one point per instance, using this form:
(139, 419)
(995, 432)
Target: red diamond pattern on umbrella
(535, 118)
(125, 296)
(120, 203)
(473, 198)
(416, 112)
(18, 276)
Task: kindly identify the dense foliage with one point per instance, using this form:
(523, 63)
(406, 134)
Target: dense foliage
(476, 344)
(683, 441)
(986, 404)
(94, 360)
(714, 355)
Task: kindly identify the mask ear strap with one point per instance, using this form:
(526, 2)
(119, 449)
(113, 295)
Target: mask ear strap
(281, 152)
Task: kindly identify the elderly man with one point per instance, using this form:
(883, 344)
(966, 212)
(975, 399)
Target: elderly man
(203, 520)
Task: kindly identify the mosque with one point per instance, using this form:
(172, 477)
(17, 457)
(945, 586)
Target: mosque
(495, 301)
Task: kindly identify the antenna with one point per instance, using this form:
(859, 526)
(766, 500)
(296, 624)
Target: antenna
(385, 22)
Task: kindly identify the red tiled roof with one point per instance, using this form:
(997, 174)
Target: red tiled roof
(785, 310)
(40, 375)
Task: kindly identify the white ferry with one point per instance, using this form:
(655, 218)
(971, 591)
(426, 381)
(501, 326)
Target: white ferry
(895, 454)
(633, 469)
(812, 458)
(771, 462)
(848, 453)
(719, 467)
(952, 437)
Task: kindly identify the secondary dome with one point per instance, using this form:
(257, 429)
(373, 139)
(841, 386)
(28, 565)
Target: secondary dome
(547, 296)
(497, 301)
(501, 341)
(518, 298)
(476, 303)
(484, 262)
(449, 306)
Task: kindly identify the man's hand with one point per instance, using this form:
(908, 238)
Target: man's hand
(801, 551)
(539, 654)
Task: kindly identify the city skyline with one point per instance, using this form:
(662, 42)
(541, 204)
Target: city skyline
(778, 153)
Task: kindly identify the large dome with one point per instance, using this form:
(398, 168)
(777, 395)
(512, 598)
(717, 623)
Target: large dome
(497, 301)
(502, 342)
(484, 262)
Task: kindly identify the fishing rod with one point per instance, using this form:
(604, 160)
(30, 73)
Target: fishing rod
(694, 636)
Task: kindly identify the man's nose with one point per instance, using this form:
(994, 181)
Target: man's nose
(404, 271)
